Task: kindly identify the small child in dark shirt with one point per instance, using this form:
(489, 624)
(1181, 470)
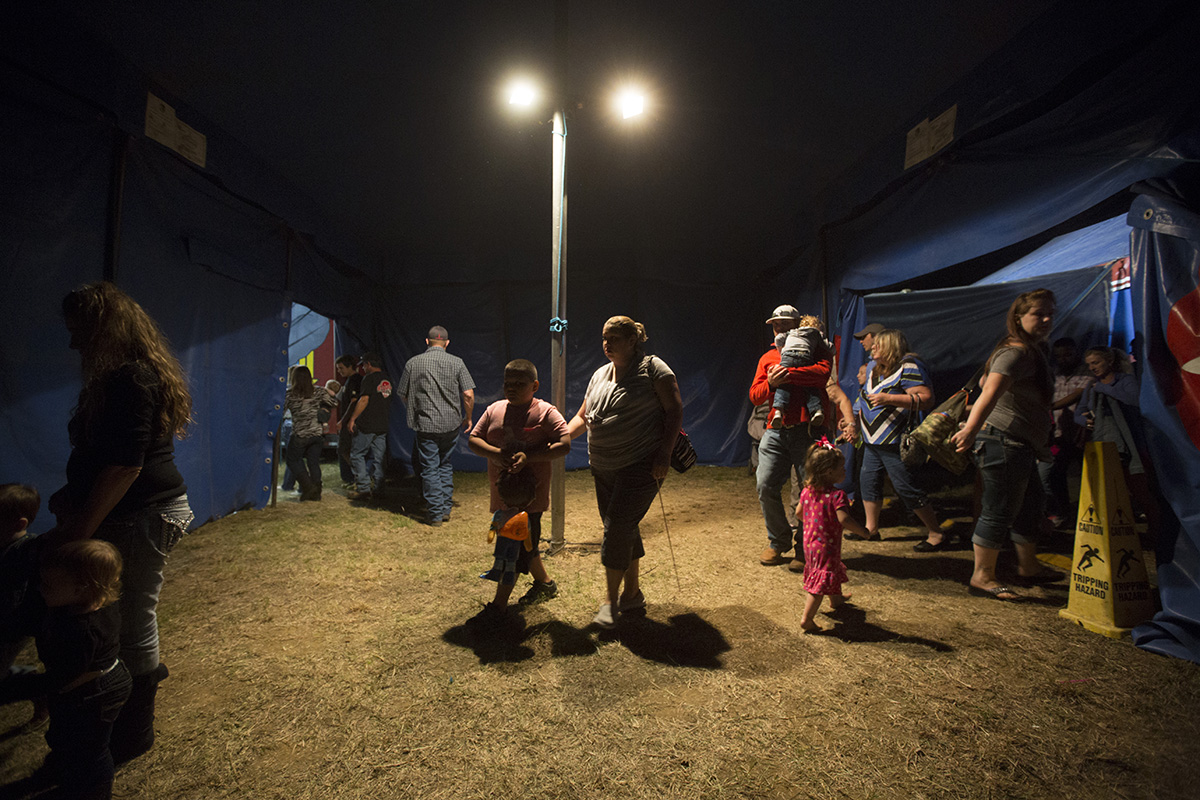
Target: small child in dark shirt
(86, 684)
(19, 505)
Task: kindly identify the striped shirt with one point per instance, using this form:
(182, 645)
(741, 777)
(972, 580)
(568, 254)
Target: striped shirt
(882, 425)
(432, 387)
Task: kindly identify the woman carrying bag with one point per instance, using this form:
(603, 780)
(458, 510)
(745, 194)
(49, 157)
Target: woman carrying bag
(896, 389)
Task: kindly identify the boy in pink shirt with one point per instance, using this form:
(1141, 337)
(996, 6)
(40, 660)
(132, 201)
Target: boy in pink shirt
(522, 433)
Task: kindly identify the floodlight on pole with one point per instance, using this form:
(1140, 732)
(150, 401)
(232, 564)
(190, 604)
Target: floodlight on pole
(631, 103)
(522, 93)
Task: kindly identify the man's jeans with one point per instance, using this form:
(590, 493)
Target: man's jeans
(345, 442)
(778, 452)
(364, 443)
(437, 474)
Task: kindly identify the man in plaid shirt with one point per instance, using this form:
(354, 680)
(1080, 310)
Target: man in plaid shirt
(440, 396)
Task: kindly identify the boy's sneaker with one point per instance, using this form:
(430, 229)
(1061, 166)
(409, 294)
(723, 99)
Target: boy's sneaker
(539, 593)
(605, 617)
(632, 602)
(489, 616)
(818, 419)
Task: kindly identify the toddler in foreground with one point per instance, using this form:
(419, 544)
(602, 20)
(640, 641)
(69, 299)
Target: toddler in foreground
(19, 505)
(824, 511)
(85, 682)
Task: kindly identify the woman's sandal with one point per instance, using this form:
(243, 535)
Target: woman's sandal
(995, 593)
(929, 547)
(870, 537)
(1042, 578)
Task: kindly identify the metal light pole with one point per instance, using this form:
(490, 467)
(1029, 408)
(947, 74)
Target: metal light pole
(558, 275)
(525, 95)
(558, 325)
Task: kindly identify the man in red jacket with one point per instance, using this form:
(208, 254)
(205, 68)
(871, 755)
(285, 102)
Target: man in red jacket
(785, 445)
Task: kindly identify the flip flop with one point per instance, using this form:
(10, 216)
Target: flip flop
(1040, 579)
(995, 593)
(870, 537)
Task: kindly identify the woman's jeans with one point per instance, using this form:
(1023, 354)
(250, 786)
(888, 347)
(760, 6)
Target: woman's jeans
(1012, 499)
(885, 458)
(144, 538)
(304, 460)
(624, 496)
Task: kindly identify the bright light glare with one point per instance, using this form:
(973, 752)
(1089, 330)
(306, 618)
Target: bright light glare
(522, 94)
(632, 103)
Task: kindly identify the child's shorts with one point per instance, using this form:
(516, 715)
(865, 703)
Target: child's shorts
(535, 538)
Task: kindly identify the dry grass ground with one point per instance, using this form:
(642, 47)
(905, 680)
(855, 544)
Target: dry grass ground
(319, 650)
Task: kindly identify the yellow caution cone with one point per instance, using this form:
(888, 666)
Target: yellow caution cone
(1109, 591)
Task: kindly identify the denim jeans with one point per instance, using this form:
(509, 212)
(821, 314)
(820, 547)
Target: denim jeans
(367, 443)
(885, 458)
(437, 473)
(304, 460)
(1012, 498)
(144, 538)
(624, 496)
(1054, 479)
(779, 451)
(345, 441)
(81, 723)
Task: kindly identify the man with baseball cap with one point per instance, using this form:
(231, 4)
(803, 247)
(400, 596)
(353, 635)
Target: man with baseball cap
(784, 445)
(867, 337)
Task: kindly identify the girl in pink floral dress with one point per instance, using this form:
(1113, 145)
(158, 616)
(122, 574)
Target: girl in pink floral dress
(824, 512)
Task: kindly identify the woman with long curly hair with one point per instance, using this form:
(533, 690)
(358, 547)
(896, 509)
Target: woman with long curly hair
(1009, 431)
(305, 403)
(122, 483)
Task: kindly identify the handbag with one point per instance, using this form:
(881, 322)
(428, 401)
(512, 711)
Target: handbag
(683, 455)
(912, 454)
(933, 434)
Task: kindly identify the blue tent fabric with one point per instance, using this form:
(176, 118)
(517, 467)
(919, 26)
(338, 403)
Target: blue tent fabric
(1095, 244)
(976, 316)
(307, 332)
(1028, 159)
(1166, 293)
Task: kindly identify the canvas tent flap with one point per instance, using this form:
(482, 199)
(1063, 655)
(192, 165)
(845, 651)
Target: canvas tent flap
(1095, 244)
(1166, 295)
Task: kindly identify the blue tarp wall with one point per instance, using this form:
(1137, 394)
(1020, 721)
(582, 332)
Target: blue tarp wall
(219, 253)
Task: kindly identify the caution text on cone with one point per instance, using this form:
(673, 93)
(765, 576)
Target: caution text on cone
(1109, 590)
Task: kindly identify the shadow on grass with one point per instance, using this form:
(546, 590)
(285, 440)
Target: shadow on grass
(912, 567)
(505, 641)
(685, 640)
(853, 627)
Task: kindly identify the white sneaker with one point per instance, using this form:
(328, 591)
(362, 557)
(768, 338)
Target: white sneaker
(605, 617)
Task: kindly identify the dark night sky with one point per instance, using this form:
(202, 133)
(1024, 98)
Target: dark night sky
(390, 114)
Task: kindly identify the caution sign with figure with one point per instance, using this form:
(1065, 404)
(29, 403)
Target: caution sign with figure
(1109, 590)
